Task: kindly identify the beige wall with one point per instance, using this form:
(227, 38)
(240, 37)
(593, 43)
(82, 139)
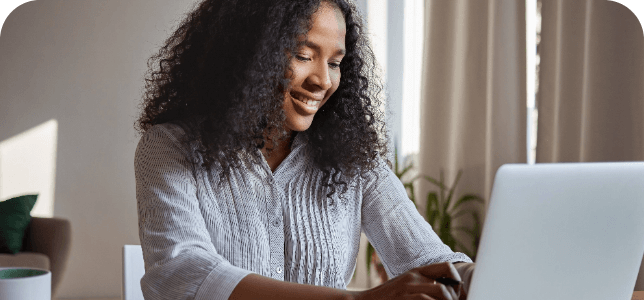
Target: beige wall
(81, 62)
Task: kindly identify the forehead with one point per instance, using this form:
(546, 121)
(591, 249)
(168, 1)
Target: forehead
(330, 15)
(328, 23)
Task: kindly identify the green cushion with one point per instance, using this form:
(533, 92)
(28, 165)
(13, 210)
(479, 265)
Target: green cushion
(14, 219)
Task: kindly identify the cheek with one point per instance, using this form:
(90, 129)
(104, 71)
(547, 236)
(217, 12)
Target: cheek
(335, 80)
(296, 78)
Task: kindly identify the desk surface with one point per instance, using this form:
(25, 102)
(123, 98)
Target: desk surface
(639, 295)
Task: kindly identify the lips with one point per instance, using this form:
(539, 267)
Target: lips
(307, 104)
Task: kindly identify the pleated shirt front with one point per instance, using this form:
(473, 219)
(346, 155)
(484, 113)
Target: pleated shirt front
(200, 238)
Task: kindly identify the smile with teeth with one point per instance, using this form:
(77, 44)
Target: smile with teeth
(309, 102)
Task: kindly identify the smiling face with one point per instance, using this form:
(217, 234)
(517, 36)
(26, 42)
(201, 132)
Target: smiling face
(316, 68)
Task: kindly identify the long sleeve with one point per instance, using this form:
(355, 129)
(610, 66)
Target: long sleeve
(400, 235)
(181, 261)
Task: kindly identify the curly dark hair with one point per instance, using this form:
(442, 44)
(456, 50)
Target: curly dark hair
(222, 73)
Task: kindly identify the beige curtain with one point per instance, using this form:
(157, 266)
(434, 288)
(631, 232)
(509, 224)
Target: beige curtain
(473, 105)
(591, 93)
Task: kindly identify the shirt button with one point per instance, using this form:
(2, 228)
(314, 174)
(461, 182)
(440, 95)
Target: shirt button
(276, 222)
(278, 270)
(271, 180)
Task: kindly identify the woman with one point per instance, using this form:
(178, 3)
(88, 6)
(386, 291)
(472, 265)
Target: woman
(263, 157)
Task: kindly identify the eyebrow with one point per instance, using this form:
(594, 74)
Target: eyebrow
(340, 51)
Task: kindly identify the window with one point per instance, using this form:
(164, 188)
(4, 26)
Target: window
(403, 92)
(533, 38)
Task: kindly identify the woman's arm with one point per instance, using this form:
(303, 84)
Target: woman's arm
(417, 283)
(256, 286)
(400, 235)
(181, 261)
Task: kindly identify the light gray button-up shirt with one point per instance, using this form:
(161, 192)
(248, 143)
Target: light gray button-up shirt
(200, 239)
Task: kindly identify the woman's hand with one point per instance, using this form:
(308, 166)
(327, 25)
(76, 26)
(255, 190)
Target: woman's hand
(466, 270)
(419, 283)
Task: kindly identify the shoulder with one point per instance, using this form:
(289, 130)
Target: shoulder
(379, 169)
(380, 178)
(171, 132)
(163, 140)
(168, 132)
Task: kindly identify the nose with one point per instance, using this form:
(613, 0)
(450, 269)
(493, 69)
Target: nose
(320, 76)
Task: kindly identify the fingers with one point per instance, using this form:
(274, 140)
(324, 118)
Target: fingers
(439, 270)
(446, 275)
(419, 297)
(436, 289)
(434, 282)
(452, 292)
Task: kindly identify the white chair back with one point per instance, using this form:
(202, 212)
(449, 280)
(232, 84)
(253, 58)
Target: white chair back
(133, 270)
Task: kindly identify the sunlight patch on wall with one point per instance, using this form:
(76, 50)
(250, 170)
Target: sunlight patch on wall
(28, 166)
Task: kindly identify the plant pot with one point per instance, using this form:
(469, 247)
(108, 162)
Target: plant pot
(25, 283)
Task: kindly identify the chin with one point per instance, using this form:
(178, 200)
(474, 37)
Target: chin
(299, 125)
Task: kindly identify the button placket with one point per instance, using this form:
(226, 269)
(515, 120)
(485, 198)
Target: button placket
(276, 222)
(275, 229)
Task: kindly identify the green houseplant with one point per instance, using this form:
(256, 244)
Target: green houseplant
(441, 211)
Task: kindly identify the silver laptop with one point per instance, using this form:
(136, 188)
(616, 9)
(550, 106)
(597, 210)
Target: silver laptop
(562, 231)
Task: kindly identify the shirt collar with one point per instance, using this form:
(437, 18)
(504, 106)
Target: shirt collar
(299, 140)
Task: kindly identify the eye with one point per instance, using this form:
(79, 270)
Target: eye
(302, 58)
(334, 65)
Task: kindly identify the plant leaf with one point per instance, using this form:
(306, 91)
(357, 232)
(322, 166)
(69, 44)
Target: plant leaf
(370, 250)
(396, 162)
(435, 182)
(467, 198)
(463, 249)
(474, 233)
(451, 190)
(460, 214)
(407, 168)
(468, 231)
(443, 187)
(477, 231)
(445, 231)
(431, 210)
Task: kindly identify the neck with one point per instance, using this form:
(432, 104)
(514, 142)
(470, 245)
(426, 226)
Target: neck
(275, 151)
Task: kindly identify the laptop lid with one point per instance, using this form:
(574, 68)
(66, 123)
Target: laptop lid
(562, 231)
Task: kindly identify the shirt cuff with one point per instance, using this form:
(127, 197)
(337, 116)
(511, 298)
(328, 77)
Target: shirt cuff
(221, 282)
